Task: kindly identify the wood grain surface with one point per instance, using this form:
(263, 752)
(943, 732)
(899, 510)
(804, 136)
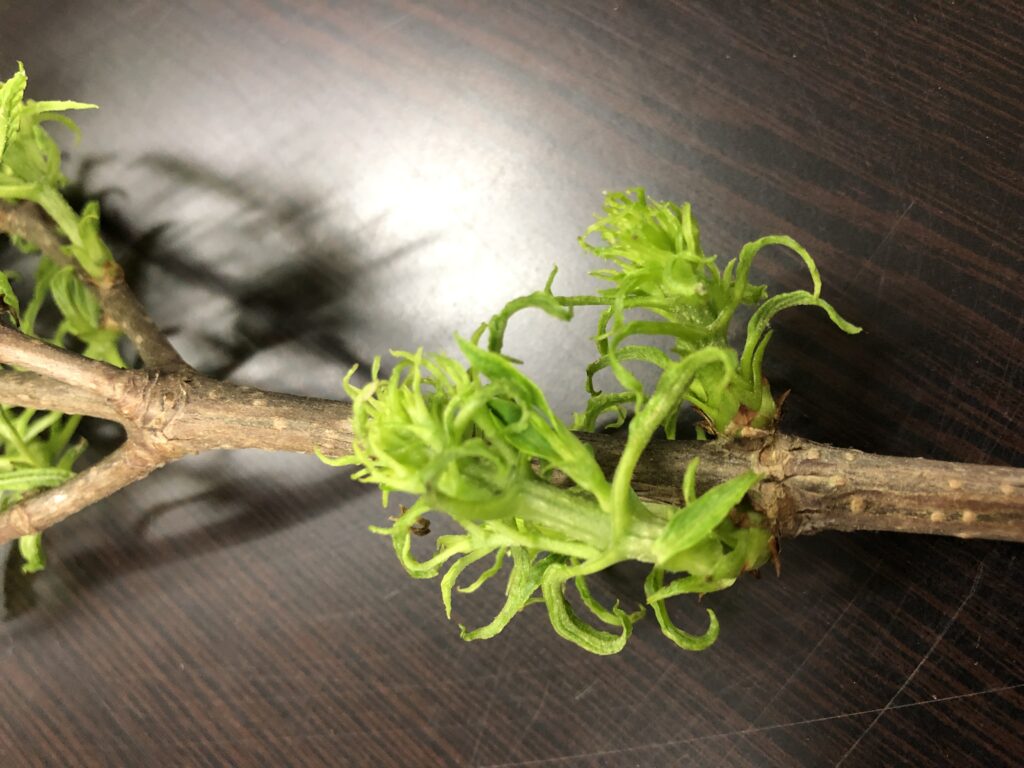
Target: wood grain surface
(296, 186)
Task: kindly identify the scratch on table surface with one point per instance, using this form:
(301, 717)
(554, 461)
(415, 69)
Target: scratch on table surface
(946, 627)
(785, 685)
(380, 29)
(490, 704)
(585, 691)
(749, 731)
(344, 734)
(892, 229)
(536, 713)
(651, 688)
(817, 645)
(891, 617)
(882, 243)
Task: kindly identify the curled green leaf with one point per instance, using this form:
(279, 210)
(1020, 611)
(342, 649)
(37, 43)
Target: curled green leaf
(12, 91)
(685, 640)
(31, 550)
(479, 442)
(571, 627)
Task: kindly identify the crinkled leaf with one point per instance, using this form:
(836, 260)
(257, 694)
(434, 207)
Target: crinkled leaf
(685, 640)
(487, 574)
(523, 581)
(689, 585)
(544, 300)
(451, 578)
(12, 92)
(571, 627)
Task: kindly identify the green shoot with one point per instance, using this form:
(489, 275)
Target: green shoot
(479, 442)
(36, 447)
(476, 439)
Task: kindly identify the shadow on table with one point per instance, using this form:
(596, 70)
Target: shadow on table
(293, 294)
(273, 266)
(230, 512)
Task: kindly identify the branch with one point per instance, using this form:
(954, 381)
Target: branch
(32, 390)
(120, 306)
(169, 411)
(22, 351)
(811, 487)
(167, 416)
(123, 467)
(808, 487)
(223, 416)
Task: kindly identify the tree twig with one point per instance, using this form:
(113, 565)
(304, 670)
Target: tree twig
(808, 487)
(120, 306)
(169, 410)
(32, 390)
(22, 351)
(124, 466)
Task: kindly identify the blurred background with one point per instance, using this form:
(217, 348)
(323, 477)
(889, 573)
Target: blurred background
(297, 186)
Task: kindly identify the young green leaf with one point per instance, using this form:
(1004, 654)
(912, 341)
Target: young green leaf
(36, 450)
(695, 522)
(479, 441)
(8, 298)
(31, 550)
(11, 93)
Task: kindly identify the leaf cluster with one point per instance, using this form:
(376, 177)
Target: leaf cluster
(37, 448)
(479, 442)
(30, 169)
(663, 285)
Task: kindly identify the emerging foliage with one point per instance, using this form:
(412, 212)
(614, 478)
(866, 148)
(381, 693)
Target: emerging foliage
(656, 265)
(479, 442)
(36, 447)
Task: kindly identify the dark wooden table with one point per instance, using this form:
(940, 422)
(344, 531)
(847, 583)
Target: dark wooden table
(299, 185)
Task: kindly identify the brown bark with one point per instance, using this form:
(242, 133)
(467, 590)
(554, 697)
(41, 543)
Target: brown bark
(36, 356)
(32, 390)
(811, 487)
(38, 512)
(808, 487)
(120, 306)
